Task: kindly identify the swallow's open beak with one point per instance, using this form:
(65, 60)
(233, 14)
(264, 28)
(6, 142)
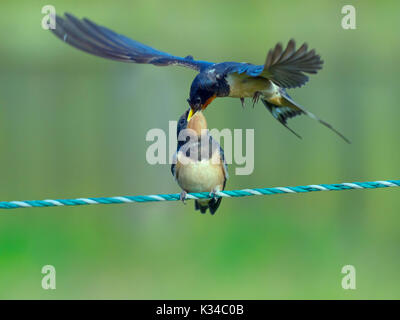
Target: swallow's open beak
(192, 111)
(197, 107)
(190, 114)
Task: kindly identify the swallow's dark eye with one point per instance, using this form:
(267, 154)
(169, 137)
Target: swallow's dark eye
(198, 100)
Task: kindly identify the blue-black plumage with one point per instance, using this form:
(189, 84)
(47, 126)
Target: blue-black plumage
(283, 69)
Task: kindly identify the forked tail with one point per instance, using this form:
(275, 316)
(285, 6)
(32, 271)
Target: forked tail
(284, 108)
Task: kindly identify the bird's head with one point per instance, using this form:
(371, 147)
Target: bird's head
(202, 92)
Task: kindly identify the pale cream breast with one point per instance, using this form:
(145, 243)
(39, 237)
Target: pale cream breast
(200, 176)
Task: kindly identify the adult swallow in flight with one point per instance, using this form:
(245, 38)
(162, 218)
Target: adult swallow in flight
(283, 69)
(199, 161)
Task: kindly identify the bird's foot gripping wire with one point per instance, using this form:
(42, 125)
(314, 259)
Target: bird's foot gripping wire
(213, 194)
(182, 196)
(256, 97)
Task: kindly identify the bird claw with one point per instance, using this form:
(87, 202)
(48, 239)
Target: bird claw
(213, 194)
(256, 97)
(242, 101)
(182, 196)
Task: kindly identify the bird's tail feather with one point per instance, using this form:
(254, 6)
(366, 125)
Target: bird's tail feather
(212, 205)
(283, 113)
(287, 109)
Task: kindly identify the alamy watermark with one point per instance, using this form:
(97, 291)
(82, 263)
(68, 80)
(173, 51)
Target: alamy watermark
(159, 153)
(349, 20)
(349, 280)
(49, 279)
(49, 20)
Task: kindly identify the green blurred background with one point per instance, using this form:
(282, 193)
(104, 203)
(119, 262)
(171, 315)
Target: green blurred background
(74, 125)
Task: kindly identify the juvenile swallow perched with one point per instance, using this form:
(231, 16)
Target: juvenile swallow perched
(283, 69)
(199, 162)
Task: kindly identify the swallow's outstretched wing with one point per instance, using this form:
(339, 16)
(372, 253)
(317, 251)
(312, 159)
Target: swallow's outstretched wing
(286, 68)
(103, 42)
